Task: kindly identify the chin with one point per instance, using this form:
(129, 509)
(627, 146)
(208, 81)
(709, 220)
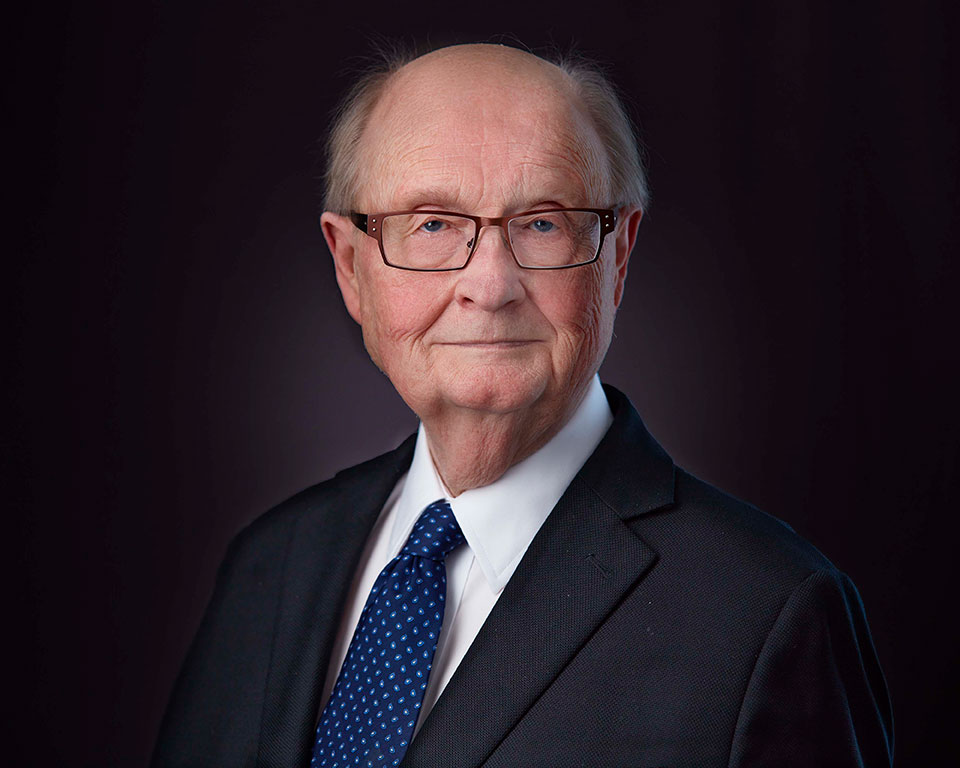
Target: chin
(495, 388)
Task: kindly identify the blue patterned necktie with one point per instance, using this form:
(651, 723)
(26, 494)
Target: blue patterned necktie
(373, 709)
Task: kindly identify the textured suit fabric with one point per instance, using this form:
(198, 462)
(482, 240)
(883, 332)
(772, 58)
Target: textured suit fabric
(654, 621)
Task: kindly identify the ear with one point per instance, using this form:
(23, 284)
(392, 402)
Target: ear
(626, 237)
(340, 234)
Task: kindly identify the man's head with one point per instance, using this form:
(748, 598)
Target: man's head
(489, 131)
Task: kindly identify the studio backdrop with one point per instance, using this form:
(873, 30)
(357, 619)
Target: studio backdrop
(182, 359)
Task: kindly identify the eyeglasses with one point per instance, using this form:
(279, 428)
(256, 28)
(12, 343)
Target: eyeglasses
(440, 241)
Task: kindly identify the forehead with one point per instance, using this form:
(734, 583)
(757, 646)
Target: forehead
(486, 135)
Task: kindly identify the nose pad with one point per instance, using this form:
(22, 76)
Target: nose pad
(504, 241)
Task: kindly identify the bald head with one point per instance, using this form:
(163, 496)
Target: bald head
(483, 67)
(405, 99)
(478, 122)
(482, 58)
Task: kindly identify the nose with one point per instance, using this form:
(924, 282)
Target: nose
(492, 279)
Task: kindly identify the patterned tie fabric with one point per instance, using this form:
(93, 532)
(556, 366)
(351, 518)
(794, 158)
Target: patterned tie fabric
(373, 709)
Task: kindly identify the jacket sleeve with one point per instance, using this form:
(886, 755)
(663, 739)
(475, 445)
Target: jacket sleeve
(817, 696)
(213, 717)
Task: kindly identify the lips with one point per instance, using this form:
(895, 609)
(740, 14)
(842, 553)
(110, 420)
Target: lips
(489, 342)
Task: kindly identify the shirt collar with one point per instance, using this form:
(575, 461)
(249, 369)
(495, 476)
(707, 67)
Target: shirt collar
(500, 520)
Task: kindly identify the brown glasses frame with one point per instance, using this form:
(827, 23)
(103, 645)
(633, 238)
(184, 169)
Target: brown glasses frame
(369, 224)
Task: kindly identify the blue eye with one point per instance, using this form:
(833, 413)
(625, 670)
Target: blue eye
(432, 226)
(542, 225)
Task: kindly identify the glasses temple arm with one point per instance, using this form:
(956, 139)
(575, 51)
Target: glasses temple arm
(359, 221)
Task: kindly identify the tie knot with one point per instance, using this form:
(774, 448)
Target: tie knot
(435, 534)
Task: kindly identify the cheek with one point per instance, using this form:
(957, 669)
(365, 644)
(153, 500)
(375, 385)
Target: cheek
(397, 308)
(580, 308)
(574, 304)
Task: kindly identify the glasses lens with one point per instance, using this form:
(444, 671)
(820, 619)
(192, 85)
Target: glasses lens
(426, 240)
(555, 239)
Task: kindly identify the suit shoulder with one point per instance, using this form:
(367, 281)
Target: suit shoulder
(736, 531)
(273, 528)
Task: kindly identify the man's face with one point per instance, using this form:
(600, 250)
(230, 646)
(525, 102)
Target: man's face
(488, 133)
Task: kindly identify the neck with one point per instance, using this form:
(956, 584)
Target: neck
(471, 449)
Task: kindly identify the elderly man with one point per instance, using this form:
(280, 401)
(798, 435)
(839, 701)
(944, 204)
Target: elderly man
(529, 581)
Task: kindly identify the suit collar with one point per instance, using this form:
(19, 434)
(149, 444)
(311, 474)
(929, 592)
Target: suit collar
(629, 470)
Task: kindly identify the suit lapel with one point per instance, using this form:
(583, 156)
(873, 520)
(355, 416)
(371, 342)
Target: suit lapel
(321, 560)
(580, 565)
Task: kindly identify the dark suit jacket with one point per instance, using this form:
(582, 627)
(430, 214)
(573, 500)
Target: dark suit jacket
(654, 621)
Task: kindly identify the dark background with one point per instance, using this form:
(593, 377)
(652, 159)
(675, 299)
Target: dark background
(181, 360)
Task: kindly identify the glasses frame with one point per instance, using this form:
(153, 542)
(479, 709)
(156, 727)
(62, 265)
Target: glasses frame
(368, 223)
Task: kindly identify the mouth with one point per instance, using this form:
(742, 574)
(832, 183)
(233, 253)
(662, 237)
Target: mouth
(498, 343)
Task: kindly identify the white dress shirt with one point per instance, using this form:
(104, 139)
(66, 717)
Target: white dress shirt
(498, 522)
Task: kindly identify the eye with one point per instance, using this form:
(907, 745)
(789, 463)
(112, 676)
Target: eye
(542, 225)
(433, 225)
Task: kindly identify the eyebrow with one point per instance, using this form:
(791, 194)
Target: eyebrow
(427, 197)
(437, 198)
